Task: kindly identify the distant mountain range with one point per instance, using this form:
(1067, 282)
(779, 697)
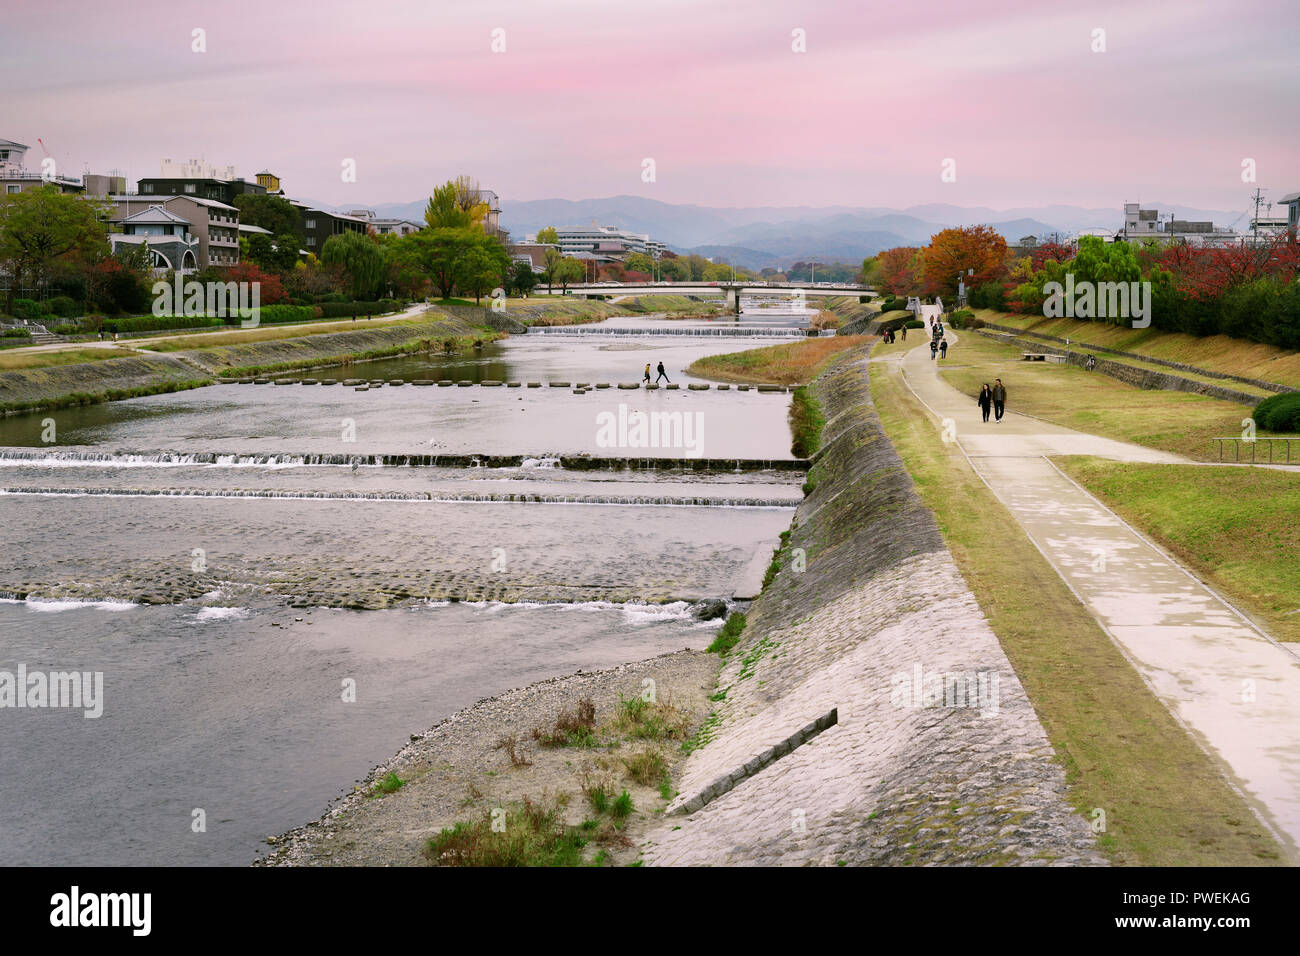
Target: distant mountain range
(760, 236)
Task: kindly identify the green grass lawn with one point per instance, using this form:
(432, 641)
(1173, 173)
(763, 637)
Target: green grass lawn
(1178, 422)
(1166, 802)
(1218, 353)
(1238, 528)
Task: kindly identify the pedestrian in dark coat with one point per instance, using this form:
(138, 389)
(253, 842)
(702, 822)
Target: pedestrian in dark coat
(999, 398)
(985, 400)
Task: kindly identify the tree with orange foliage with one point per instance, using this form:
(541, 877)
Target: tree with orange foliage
(953, 252)
(898, 270)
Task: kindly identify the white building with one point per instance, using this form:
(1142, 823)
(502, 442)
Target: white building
(196, 169)
(387, 227)
(604, 241)
(1142, 224)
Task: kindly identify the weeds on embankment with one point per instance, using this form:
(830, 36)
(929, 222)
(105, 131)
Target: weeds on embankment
(806, 422)
(530, 833)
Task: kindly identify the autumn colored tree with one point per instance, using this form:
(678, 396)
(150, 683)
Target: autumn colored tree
(271, 290)
(977, 254)
(899, 270)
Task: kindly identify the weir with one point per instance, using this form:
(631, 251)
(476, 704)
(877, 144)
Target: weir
(571, 462)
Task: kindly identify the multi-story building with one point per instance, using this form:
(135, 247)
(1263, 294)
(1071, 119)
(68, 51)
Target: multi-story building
(166, 234)
(605, 242)
(1142, 224)
(318, 225)
(16, 178)
(198, 187)
(1292, 202)
(213, 224)
(385, 226)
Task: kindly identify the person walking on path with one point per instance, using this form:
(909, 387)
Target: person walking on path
(905, 333)
(934, 349)
(662, 374)
(646, 378)
(985, 400)
(943, 348)
(999, 398)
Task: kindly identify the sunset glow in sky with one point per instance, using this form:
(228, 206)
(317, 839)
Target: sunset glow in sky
(712, 91)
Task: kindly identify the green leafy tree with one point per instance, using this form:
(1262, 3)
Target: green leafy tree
(675, 269)
(639, 262)
(522, 278)
(440, 253)
(481, 266)
(548, 234)
(444, 209)
(41, 227)
(357, 259)
(569, 270)
(551, 267)
(273, 213)
(273, 253)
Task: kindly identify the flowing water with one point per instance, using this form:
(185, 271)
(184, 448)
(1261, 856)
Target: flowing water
(227, 558)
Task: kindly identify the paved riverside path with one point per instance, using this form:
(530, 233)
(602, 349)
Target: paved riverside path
(1236, 690)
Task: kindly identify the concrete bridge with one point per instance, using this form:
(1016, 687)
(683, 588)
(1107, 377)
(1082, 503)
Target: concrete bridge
(732, 290)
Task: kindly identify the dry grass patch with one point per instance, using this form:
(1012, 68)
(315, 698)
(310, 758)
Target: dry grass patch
(792, 363)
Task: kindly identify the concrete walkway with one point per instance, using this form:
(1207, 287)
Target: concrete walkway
(1234, 688)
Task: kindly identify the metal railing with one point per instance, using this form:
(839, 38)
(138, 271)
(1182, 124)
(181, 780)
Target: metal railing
(1238, 441)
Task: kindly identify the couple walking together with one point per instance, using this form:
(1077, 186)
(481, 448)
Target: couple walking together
(995, 396)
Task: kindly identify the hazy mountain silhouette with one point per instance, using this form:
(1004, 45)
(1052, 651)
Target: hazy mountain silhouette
(760, 236)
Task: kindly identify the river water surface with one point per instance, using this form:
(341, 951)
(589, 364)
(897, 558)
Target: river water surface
(228, 562)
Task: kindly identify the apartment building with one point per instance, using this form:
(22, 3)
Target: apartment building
(215, 225)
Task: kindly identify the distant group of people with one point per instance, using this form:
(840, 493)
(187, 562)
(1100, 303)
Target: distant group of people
(938, 344)
(994, 396)
(662, 373)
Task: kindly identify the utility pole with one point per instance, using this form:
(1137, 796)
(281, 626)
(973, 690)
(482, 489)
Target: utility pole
(1254, 232)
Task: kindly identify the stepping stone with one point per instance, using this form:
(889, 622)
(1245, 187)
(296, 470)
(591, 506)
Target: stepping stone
(362, 388)
(559, 384)
(742, 388)
(422, 381)
(650, 385)
(377, 382)
(465, 383)
(602, 384)
(286, 381)
(724, 388)
(354, 381)
(397, 381)
(673, 388)
(512, 384)
(628, 385)
(443, 383)
(329, 381)
(534, 384)
(309, 381)
(771, 388)
(490, 384)
(696, 387)
(261, 381)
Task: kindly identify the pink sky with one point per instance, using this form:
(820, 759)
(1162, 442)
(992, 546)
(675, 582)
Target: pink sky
(712, 91)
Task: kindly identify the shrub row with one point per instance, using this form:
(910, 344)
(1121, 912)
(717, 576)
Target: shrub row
(1279, 413)
(345, 310)
(159, 323)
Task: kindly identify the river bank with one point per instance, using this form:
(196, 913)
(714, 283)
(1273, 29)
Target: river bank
(34, 389)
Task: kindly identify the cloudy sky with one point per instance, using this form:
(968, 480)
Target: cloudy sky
(713, 91)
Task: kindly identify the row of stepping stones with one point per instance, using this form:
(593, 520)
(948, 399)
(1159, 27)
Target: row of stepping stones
(361, 384)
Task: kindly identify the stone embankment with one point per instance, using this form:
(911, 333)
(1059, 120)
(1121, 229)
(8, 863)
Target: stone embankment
(142, 373)
(869, 714)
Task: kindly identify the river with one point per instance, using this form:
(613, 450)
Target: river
(232, 559)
